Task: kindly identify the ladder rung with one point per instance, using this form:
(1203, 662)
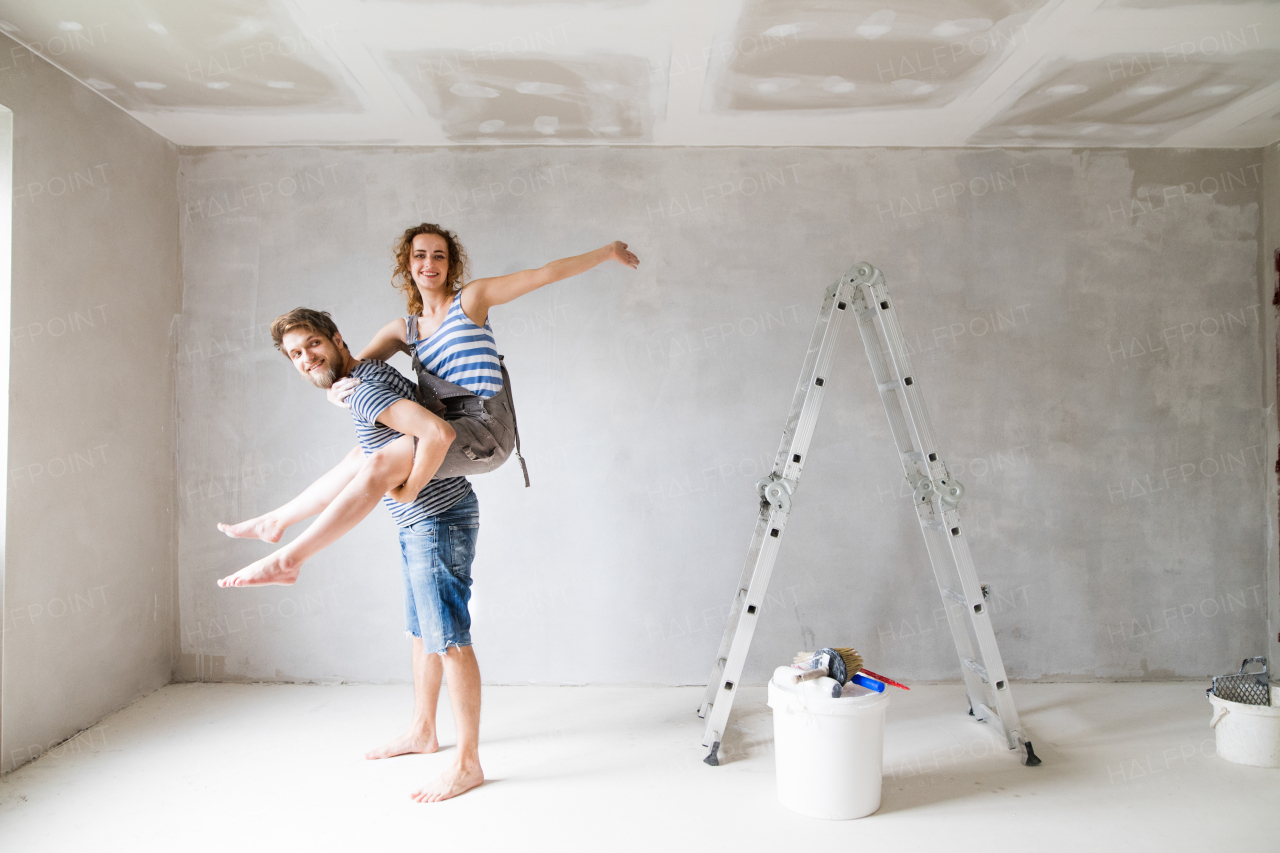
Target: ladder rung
(936, 525)
(891, 385)
(913, 455)
(978, 668)
(955, 596)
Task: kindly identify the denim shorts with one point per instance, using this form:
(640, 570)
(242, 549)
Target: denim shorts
(436, 555)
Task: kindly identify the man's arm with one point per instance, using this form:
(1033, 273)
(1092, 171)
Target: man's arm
(434, 437)
(314, 498)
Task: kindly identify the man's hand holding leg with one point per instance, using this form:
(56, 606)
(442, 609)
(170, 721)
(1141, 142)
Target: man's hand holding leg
(433, 436)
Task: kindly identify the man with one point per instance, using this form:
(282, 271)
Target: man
(439, 521)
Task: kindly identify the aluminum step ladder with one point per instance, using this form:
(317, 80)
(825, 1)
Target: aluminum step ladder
(936, 496)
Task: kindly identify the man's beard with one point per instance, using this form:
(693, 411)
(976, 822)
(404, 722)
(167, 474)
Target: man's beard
(324, 378)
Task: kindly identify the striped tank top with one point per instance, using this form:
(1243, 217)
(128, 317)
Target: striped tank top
(463, 353)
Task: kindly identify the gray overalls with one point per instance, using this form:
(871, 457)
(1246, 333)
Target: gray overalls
(485, 426)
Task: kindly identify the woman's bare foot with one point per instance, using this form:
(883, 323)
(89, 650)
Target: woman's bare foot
(410, 743)
(275, 568)
(452, 782)
(263, 527)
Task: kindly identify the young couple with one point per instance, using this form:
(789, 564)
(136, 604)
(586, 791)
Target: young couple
(410, 447)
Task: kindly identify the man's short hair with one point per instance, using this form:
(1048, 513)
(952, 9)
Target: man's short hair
(318, 322)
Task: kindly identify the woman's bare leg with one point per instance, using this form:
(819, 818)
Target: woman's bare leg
(382, 471)
(270, 526)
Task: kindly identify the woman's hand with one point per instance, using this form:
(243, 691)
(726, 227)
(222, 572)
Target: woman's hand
(618, 252)
(341, 390)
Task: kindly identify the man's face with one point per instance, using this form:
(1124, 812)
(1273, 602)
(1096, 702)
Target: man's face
(317, 358)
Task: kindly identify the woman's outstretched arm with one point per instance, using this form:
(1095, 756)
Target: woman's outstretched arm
(483, 293)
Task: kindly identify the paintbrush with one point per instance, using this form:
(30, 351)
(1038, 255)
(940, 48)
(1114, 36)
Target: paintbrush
(844, 665)
(811, 667)
(809, 675)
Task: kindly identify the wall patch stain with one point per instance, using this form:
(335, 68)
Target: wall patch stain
(194, 668)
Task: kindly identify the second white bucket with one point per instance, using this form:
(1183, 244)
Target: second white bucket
(829, 752)
(1248, 734)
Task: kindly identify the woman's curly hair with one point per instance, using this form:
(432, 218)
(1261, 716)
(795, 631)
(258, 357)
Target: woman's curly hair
(402, 278)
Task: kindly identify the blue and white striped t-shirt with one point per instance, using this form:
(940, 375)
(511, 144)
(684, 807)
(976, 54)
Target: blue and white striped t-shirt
(380, 386)
(463, 353)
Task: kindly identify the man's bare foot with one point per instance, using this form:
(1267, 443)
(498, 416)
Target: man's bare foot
(273, 569)
(452, 782)
(263, 527)
(406, 744)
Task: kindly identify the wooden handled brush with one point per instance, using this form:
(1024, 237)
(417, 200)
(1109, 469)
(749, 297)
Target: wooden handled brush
(809, 675)
(842, 663)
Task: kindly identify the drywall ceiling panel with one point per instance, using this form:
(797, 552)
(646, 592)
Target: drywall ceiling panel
(533, 97)
(1128, 98)
(1154, 4)
(849, 54)
(225, 56)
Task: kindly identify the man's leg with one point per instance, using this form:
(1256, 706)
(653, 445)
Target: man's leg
(270, 526)
(463, 676)
(421, 736)
(383, 471)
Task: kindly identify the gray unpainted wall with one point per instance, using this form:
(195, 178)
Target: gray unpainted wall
(1269, 290)
(1087, 328)
(89, 581)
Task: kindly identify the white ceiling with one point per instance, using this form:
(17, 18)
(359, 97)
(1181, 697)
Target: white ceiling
(1072, 73)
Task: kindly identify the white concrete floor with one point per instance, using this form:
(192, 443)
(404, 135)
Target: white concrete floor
(222, 767)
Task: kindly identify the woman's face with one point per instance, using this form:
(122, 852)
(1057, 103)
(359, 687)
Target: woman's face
(429, 262)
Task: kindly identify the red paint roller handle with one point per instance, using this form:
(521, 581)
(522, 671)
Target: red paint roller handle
(879, 677)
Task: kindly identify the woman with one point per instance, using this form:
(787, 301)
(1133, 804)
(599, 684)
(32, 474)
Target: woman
(455, 356)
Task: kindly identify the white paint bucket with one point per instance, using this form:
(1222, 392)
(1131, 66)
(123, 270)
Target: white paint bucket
(1247, 734)
(829, 752)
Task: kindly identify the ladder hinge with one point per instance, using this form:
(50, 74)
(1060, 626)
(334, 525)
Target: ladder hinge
(947, 489)
(777, 492)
